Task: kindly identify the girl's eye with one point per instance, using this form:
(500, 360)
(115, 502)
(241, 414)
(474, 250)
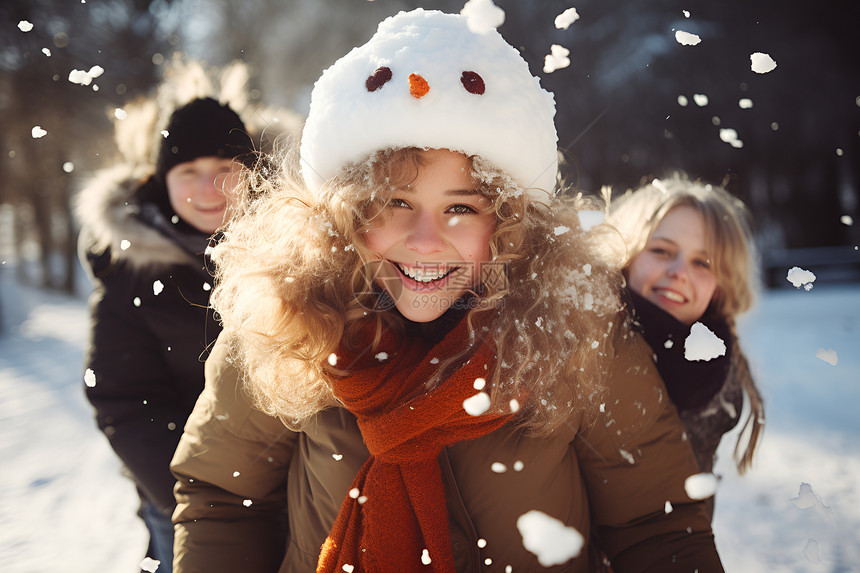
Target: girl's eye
(660, 251)
(398, 203)
(702, 263)
(462, 210)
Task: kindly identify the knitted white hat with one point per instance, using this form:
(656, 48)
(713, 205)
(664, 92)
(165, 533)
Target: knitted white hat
(425, 80)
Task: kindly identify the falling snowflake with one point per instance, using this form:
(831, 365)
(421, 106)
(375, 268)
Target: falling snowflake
(828, 356)
(762, 63)
(550, 540)
(686, 38)
(482, 16)
(477, 404)
(556, 59)
(566, 18)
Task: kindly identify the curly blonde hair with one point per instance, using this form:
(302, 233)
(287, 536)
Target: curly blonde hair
(293, 282)
(732, 255)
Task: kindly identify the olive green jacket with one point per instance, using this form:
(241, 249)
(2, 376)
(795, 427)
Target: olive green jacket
(254, 496)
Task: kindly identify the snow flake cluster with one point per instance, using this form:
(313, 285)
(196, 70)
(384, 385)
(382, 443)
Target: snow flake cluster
(566, 18)
(84, 77)
(703, 344)
(762, 63)
(483, 16)
(550, 540)
(556, 59)
(701, 486)
(686, 38)
(828, 355)
(800, 278)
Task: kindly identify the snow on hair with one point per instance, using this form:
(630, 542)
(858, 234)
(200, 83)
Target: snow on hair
(289, 266)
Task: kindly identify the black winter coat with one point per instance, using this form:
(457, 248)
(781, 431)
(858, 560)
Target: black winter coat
(150, 328)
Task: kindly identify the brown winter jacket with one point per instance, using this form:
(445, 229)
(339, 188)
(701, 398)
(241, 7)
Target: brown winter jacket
(255, 497)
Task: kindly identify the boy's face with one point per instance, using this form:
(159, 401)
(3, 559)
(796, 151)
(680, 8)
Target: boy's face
(433, 237)
(198, 191)
(674, 270)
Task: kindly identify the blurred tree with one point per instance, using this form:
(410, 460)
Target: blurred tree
(124, 38)
(619, 116)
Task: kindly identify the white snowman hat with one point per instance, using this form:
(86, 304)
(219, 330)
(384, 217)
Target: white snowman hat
(425, 80)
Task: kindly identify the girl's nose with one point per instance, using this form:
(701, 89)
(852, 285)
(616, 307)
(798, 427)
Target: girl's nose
(677, 267)
(424, 236)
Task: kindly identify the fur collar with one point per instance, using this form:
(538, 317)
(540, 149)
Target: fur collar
(107, 211)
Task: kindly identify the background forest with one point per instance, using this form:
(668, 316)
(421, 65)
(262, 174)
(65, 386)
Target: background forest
(620, 114)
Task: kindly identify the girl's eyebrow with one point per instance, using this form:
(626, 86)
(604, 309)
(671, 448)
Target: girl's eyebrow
(674, 243)
(450, 192)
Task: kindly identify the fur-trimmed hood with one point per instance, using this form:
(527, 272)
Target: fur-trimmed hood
(107, 209)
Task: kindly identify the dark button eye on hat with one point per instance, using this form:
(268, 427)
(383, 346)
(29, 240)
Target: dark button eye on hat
(202, 128)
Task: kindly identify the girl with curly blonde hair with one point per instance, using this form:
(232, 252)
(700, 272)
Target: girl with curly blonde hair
(423, 361)
(690, 259)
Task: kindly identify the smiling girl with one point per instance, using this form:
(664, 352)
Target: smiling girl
(423, 363)
(690, 259)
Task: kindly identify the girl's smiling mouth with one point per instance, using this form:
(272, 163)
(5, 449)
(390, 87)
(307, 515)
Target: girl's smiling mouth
(424, 278)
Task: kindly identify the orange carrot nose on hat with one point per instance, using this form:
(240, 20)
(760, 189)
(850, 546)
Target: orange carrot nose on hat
(426, 80)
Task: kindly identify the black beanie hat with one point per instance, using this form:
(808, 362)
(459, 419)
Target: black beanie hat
(201, 128)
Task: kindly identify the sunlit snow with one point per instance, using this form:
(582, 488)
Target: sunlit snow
(382, 356)
(83, 77)
(761, 63)
(703, 344)
(25, 26)
(846, 220)
(149, 565)
(745, 103)
(332, 359)
(120, 114)
(686, 38)
(566, 18)
(700, 99)
(556, 59)
(477, 404)
(800, 278)
(683, 101)
(551, 541)
(730, 136)
(482, 16)
(560, 230)
(700, 486)
(38, 132)
(90, 378)
(828, 355)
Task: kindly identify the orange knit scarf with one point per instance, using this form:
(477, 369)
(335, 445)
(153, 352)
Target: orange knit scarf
(394, 519)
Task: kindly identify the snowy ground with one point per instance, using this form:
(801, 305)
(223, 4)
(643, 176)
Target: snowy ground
(64, 506)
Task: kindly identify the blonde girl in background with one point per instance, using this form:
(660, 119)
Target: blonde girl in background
(690, 258)
(423, 363)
